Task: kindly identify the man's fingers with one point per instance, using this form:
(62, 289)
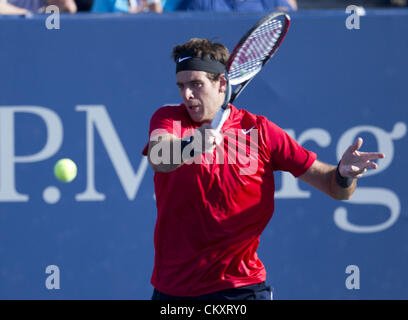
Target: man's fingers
(214, 136)
(372, 155)
(218, 138)
(355, 164)
(372, 165)
(368, 165)
(357, 144)
(359, 170)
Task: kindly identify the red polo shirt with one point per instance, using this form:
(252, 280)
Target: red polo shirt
(210, 214)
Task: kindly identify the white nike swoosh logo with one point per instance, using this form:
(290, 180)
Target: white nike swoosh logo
(182, 59)
(247, 131)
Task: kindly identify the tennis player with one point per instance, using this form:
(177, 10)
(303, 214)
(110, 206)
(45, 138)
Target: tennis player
(212, 207)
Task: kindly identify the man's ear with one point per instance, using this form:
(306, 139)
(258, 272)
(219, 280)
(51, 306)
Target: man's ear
(223, 83)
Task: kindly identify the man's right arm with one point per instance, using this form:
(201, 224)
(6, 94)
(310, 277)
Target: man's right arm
(161, 153)
(167, 152)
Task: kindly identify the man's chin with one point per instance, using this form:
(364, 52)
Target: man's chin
(196, 117)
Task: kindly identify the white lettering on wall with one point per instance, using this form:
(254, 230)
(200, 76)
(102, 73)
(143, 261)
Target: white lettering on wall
(8, 158)
(365, 195)
(99, 121)
(97, 118)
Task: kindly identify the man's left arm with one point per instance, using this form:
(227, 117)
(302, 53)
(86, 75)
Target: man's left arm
(340, 182)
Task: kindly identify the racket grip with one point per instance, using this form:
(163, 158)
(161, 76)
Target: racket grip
(221, 114)
(220, 117)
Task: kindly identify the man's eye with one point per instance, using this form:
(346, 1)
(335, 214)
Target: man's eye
(197, 84)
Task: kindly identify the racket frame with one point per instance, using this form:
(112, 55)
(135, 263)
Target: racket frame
(219, 118)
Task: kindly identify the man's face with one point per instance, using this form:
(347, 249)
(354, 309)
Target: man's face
(64, 5)
(201, 96)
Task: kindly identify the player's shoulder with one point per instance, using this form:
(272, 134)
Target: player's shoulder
(171, 108)
(258, 120)
(170, 111)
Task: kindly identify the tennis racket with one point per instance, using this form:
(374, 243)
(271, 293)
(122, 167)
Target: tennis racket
(248, 57)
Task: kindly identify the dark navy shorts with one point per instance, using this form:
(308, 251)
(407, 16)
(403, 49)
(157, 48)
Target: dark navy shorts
(259, 291)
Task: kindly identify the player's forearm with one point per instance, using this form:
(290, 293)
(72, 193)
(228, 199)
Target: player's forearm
(330, 185)
(338, 191)
(166, 155)
(167, 152)
(9, 9)
(323, 177)
(164, 166)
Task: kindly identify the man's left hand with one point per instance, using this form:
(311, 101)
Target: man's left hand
(354, 163)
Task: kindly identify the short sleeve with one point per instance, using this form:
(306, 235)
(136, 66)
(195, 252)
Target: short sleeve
(285, 153)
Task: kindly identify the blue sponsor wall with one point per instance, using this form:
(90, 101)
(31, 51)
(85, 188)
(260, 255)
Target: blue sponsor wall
(87, 91)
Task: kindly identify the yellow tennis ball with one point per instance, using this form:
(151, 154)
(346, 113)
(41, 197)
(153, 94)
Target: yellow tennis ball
(65, 170)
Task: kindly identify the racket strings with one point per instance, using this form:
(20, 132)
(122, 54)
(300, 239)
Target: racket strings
(256, 48)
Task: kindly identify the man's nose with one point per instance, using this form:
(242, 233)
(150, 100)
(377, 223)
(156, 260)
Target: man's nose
(188, 93)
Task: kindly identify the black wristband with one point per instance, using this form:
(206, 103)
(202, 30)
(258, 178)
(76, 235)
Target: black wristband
(342, 181)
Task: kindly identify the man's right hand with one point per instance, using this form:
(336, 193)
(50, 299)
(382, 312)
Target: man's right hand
(210, 138)
(165, 153)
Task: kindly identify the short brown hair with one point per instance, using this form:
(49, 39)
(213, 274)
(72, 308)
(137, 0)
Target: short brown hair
(202, 48)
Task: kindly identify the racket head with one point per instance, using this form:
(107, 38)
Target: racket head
(256, 47)
(249, 55)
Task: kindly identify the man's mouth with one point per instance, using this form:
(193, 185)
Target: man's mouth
(194, 108)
